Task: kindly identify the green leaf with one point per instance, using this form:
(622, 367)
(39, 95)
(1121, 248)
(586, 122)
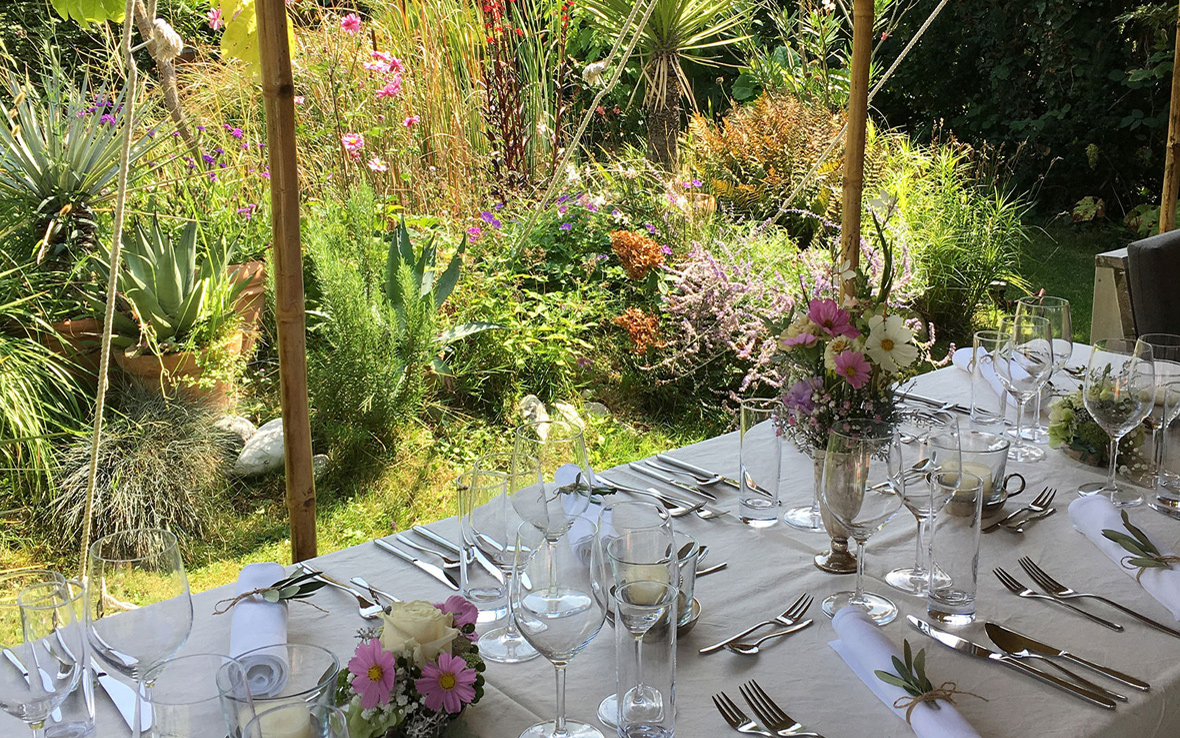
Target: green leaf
(1147, 563)
(909, 656)
(892, 679)
(1143, 539)
(901, 667)
(271, 595)
(446, 283)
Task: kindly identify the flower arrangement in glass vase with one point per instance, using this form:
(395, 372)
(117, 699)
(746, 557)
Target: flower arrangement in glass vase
(415, 674)
(842, 354)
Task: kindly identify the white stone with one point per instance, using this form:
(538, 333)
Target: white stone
(532, 410)
(597, 409)
(263, 452)
(570, 414)
(319, 466)
(236, 424)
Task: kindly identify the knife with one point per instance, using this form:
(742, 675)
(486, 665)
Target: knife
(1022, 641)
(482, 560)
(673, 461)
(434, 571)
(649, 472)
(1014, 647)
(46, 682)
(123, 698)
(937, 404)
(974, 649)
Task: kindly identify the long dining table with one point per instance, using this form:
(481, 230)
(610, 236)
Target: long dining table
(768, 569)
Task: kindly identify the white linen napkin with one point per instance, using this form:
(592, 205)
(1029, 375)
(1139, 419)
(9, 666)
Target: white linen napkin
(865, 648)
(962, 359)
(255, 624)
(1090, 515)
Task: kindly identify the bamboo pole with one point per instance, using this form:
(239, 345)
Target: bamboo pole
(854, 140)
(279, 94)
(1171, 170)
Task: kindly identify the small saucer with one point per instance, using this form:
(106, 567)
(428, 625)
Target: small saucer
(694, 615)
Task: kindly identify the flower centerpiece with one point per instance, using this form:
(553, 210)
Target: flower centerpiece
(416, 673)
(1073, 430)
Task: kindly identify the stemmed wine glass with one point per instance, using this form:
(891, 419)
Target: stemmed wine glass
(1023, 366)
(489, 523)
(127, 572)
(561, 491)
(1165, 354)
(1056, 311)
(634, 543)
(862, 492)
(1119, 391)
(557, 606)
(49, 642)
(919, 431)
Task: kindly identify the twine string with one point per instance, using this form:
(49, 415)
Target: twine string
(946, 691)
(1167, 561)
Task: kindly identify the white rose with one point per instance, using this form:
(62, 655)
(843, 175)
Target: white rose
(419, 627)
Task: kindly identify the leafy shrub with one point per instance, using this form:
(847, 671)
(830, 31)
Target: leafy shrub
(160, 465)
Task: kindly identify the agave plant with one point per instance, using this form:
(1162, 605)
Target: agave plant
(676, 31)
(170, 294)
(417, 291)
(59, 157)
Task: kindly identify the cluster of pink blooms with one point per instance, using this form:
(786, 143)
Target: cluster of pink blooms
(445, 684)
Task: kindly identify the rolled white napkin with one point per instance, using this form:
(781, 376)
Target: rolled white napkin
(865, 648)
(1091, 515)
(255, 624)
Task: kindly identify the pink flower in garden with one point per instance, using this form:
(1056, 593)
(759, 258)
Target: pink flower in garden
(392, 88)
(299, 99)
(829, 316)
(373, 670)
(411, 121)
(350, 23)
(852, 366)
(353, 141)
(377, 165)
(447, 684)
(215, 20)
(474, 232)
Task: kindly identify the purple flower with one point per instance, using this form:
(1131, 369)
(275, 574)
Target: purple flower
(212, 176)
(236, 133)
(208, 158)
(474, 232)
(584, 362)
(108, 119)
(175, 133)
(499, 207)
(832, 318)
(666, 249)
(696, 183)
(799, 396)
(566, 226)
(201, 129)
(486, 216)
(615, 213)
(562, 209)
(802, 339)
(650, 228)
(563, 198)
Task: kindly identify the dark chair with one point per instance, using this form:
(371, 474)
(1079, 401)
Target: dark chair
(1153, 279)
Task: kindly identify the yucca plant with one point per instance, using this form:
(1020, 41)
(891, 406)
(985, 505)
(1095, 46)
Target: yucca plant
(677, 31)
(171, 293)
(59, 157)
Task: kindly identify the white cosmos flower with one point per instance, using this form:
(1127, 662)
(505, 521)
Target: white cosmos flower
(890, 343)
(838, 345)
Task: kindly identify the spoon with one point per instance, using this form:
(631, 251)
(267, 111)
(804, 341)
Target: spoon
(749, 649)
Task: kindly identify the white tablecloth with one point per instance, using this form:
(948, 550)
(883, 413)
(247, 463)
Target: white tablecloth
(768, 569)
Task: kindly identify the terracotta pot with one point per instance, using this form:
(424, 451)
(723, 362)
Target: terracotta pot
(165, 373)
(251, 300)
(80, 341)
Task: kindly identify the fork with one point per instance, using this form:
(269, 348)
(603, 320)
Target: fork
(736, 718)
(1059, 590)
(701, 479)
(1019, 525)
(368, 610)
(788, 617)
(771, 715)
(1039, 505)
(675, 508)
(1020, 590)
(449, 562)
(377, 594)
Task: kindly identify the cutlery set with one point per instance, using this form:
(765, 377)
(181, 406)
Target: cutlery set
(683, 497)
(1038, 509)
(789, 618)
(775, 720)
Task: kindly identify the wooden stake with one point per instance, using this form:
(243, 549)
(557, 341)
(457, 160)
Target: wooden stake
(279, 94)
(854, 139)
(1171, 170)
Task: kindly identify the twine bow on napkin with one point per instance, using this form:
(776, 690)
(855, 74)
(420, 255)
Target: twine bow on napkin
(298, 587)
(945, 691)
(1144, 554)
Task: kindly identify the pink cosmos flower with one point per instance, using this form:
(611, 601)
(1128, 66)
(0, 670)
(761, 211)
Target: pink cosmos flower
(852, 366)
(373, 670)
(299, 99)
(464, 612)
(447, 684)
(380, 63)
(377, 165)
(829, 316)
(350, 23)
(392, 88)
(214, 18)
(353, 141)
(802, 339)
(411, 121)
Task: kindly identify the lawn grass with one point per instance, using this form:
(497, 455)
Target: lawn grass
(1059, 257)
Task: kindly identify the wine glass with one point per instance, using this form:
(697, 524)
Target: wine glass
(557, 607)
(489, 523)
(50, 646)
(127, 572)
(862, 492)
(1165, 354)
(644, 552)
(919, 430)
(561, 489)
(1023, 366)
(1056, 311)
(1118, 391)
